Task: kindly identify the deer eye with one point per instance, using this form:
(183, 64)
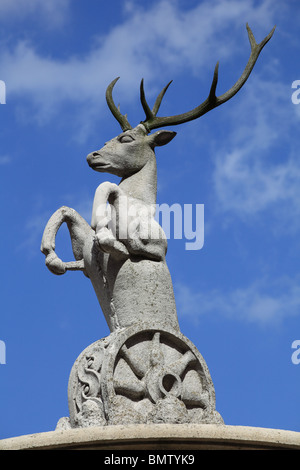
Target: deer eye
(124, 139)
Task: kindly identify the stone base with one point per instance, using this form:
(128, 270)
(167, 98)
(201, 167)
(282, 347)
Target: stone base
(158, 437)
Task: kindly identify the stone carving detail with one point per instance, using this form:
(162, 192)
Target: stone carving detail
(142, 372)
(149, 375)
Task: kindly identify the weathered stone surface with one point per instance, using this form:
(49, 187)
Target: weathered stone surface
(141, 374)
(177, 437)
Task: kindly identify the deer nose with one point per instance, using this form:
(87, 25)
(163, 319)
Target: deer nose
(91, 156)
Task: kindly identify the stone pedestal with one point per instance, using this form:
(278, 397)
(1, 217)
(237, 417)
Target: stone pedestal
(158, 437)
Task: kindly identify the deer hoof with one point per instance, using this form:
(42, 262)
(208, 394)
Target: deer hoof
(108, 244)
(55, 265)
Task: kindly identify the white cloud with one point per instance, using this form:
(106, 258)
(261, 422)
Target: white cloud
(51, 12)
(263, 302)
(156, 42)
(258, 169)
(248, 187)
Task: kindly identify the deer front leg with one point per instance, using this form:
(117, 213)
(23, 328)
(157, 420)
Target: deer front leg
(101, 220)
(109, 244)
(79, 230)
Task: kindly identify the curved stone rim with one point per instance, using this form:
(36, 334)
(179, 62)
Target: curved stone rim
(158, 437)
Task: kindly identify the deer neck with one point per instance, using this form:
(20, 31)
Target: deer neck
(142, 185)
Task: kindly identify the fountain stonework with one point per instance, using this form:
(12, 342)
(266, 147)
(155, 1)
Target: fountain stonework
(146, 376)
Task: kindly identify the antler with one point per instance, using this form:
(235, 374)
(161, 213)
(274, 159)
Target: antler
(154, 122)
(122, 119)
(151, 114)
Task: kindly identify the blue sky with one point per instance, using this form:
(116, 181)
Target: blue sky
(238, 298)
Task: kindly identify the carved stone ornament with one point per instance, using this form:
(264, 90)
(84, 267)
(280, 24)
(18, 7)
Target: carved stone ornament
(145, 371)
(148, 375)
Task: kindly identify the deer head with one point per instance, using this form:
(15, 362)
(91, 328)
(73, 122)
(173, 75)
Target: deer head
(129, 152)
(133, 150)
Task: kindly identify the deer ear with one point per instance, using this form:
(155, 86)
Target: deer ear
(160, 138)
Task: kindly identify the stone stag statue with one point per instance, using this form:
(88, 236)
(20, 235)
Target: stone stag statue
(145, 371)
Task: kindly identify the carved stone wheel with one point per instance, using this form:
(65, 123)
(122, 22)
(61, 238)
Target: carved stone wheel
(145, 373)
(155, 375)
